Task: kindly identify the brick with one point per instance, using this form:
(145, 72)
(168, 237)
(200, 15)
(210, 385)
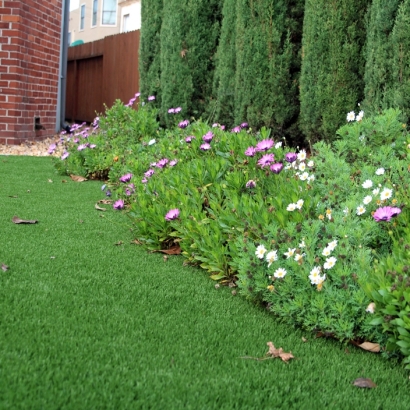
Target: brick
(9, 18)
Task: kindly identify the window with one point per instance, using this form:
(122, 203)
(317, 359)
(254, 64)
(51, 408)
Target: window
(109, 12)
(95, 8)
(82, 17)
(126, 23)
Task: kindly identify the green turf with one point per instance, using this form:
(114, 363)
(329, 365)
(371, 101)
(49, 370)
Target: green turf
(86, 324)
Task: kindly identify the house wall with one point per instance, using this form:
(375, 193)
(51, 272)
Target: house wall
(134, 11)
(29, 68)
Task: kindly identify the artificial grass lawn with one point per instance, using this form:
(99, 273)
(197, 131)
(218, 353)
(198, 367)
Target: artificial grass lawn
(87, 324)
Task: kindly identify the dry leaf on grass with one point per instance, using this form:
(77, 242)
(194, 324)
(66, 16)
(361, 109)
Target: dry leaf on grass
(173, 250)
(304, 340)
(4, 267)
(77, 178)
(118, 243)
(370, 347)
(105, 201)
(136, 242)
(17, 220)
(63, 181)
(279, 352)
(98, 208)
(13, 196)
(364, 382)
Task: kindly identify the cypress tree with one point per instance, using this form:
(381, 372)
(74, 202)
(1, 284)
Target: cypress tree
(150, 48)
(331, 82)
(379, 53)
(267, 62)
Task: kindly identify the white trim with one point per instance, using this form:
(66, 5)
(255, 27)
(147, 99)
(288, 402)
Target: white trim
(81, 7)
(92, 14)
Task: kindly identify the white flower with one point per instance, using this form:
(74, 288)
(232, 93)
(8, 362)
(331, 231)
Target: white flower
(367, 184)
(327, 251)
(290, 253)
(302, 155)
(278, 144)
(332, 245)
(360, 210)
(380, 171)
(291, 207)
(299, 257)
(367, 199)
(271, 257)
(302, 166)
(330, 262)
(359, 116)
(311, 164)
(280, 273)
(152, 142)
(376, 191)
(304, 176)
(311, 178)
(386, 194)
(351, 116)
(346, 211)
(289, 166)
(315, 277)
(302, 244)
(260, 251)
(299, 204)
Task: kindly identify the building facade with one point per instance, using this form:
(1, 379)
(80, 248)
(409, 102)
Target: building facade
(96, 19)
(30, 34)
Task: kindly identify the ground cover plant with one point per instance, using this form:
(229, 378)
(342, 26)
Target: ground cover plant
(301, 232)
(89, 319)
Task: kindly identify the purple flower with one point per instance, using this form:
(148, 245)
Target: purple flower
(118, 204)
(137, 95)
(127, 192)
(177, 110)
(92, 146)
(172, 214)
(250, 152)
(173, 162)
(290, 157)
(264, 145)
(244, 125)
(215, 124)
(171, 111)
(108, 192)
(153, 164)
(81, 147)
(51, 148)
(131, 188)
(149, 173)
(183, 124)
(251, 184)
(236, 129)
(205, 147)
(126, 177)
(76, 140)
(266, 160)
(131, 102)
(223, 127)
(144, 180)
(161, 163)
(208, 136)
(276, 168)
(189, 138)
(65, 155)
(151, 98)
(386, 213)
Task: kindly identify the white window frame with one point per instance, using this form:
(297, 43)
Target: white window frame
(102, 15)
(124, 18)
(94, 12)
(82, 18)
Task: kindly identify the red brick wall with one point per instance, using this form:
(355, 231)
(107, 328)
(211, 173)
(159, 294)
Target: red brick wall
(29, 65)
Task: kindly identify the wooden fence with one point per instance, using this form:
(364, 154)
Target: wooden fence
(100, 72)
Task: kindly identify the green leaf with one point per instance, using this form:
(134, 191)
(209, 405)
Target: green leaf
(377, 321)
(218, 276)
(403, 343)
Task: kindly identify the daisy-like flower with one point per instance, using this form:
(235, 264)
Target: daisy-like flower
(208, 136)
(280, 273)
(172, 214)
(311, 178)
(360, 210)
(82, 147)
(92, 146)
(311, 164)
(171, 111)
(291, 207)
(376, 191)
(177, 110)
(108, 192)
(162, 163)
(151, 98)
(266, 160)
(302, 244)
(291, 157)
(290, 253)
(386, 194)
(173, 162)
(144, 180)
(264, 145)
(65, 155)
(118, 204)
(302, 166)
(314, 275)
(299, 203)
(327, 251)
(380, 171)
(359, 116)
(244, 125)
(260, 251)
(346, 211)
(332, 245)
(276, 168)
(251, 184)
(250, 152)
(189, 138)
(149, 173)
(271, 288)
(330, 262)
(126, 177)
(302, 155)
(236, 129)
(367, 184)
(271, 257)
(386, 213)
(328, 213)
(183, 124)
(304, 176)
(367, 199)
(351, 116)
(205, 147)
(299, 257)
(152, 142)
(278, 144)
(322, 217)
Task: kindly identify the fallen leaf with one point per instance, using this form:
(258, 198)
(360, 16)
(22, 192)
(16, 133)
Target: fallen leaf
(105, 201)
(173, 250)
(118, 243)
(13, 196)
(17, 220)
(4, 267)
(50, 180)
(136, 242)
(77, 178)
(286, 356)
(364, 382)
(234, 292)
(304, 339)
(217, 286)
(98, 208)
(370, 347)
(274, 352)
(63, 181)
